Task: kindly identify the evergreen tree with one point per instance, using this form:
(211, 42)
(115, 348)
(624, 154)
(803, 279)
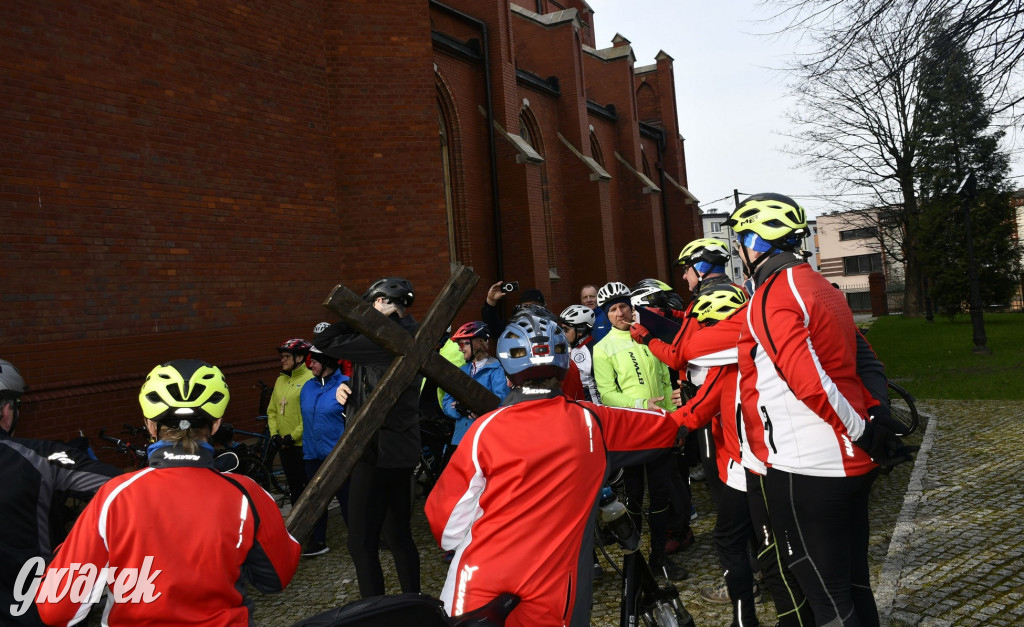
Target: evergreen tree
(957, 137)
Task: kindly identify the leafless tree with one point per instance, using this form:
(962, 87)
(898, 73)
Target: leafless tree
(991, 30)
(856, 130)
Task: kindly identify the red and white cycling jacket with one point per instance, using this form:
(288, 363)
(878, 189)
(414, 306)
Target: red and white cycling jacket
(193, 535)
(517, 502)
(713, 348)
(715, 403)
(803, 403)
(716, 348)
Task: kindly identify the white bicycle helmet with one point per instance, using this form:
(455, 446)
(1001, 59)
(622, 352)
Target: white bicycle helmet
(578, 316)
(612, 293)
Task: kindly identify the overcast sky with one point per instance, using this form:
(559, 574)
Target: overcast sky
(730, 95)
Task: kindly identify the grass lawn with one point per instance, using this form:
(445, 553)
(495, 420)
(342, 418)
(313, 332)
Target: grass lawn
(935, 359)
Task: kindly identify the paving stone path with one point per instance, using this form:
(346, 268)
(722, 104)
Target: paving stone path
(947, 542)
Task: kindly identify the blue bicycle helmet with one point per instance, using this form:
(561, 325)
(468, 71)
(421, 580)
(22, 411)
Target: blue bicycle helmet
(533, 347)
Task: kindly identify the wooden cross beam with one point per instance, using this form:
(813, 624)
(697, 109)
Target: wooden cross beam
(412, 356)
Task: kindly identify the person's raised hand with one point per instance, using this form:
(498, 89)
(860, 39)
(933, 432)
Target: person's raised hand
(384, 306)
(342, 393)
(494, 294)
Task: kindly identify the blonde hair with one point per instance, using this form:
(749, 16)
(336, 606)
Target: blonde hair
(188, 439)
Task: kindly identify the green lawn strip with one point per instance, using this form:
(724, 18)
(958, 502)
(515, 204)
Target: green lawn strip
(936, 359)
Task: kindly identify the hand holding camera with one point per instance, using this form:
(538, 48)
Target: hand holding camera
(499, 290)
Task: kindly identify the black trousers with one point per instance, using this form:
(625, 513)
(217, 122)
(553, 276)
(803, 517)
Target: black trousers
(659, 485)
(823, 522)
(791, 606)
(732, 534)
(320, 526)
(294, 471)
(380, 500)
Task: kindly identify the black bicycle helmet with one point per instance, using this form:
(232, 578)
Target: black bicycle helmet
(395, 289)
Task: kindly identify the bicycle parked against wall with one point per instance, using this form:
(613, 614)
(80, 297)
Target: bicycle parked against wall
(255, 460)
(134, 447)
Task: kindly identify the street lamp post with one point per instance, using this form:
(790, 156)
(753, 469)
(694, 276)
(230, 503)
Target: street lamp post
(966, 191)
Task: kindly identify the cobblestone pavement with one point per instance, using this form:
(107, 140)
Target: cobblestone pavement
(946, 546)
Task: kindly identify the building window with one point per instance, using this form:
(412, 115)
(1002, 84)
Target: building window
(716, 227)
(595, 149)
(862, 264)
(529, 131)
(861, 233)
(449, 185)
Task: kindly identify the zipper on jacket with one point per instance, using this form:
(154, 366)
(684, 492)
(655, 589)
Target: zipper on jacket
(768, 429)
(568, 599)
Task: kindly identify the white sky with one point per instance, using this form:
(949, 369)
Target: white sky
(731, 99)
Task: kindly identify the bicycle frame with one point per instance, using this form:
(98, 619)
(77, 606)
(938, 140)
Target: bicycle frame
(642, 600)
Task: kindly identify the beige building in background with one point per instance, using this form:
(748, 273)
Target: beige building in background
(850, 250)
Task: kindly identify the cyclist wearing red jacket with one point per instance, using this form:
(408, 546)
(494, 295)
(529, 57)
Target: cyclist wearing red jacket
(715, 404)
(806, 413)
(704, 262)
(174, 543)
(518, 500)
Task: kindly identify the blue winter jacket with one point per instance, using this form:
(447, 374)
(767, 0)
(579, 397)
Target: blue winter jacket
(601, 325)
(492, 376)
(323, 417)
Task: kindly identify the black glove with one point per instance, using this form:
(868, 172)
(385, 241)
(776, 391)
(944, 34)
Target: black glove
(884, 446)
(681, 436)
(277, 440)
(288, 441)
(880, 415)
(880, 412)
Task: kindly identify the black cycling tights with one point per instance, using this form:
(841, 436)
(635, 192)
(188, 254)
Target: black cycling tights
(822, 529)
(380, 499)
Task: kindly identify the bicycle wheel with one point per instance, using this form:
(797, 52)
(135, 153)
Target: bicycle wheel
(279, 482)
(252, 467)
(903, 408)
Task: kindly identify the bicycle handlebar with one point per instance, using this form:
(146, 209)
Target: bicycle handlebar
(252, 434)
(121, 445)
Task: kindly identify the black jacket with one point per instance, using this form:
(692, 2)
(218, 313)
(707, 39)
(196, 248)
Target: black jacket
(397, 443)
(38, 474)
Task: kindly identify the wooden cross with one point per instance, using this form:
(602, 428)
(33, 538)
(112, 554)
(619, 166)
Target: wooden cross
(412, 356)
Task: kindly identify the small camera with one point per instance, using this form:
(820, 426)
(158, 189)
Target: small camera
(510, 286)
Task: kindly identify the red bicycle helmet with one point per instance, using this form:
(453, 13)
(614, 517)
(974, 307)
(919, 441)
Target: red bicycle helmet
(471, 330)
(295, 346)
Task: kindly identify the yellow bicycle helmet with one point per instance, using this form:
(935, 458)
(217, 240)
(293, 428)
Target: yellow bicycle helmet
(184, 391)
(775, 218)
(718, 304)
(707, 249)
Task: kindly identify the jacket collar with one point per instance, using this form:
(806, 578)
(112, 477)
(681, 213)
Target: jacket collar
(165, 455)
(296, 371)
(776, 263)
(708, 284)
(519, 394)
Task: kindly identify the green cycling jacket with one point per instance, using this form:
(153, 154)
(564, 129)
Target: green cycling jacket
(627, 374)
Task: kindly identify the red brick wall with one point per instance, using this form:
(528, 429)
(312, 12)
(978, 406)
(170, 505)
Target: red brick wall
(191, 180)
